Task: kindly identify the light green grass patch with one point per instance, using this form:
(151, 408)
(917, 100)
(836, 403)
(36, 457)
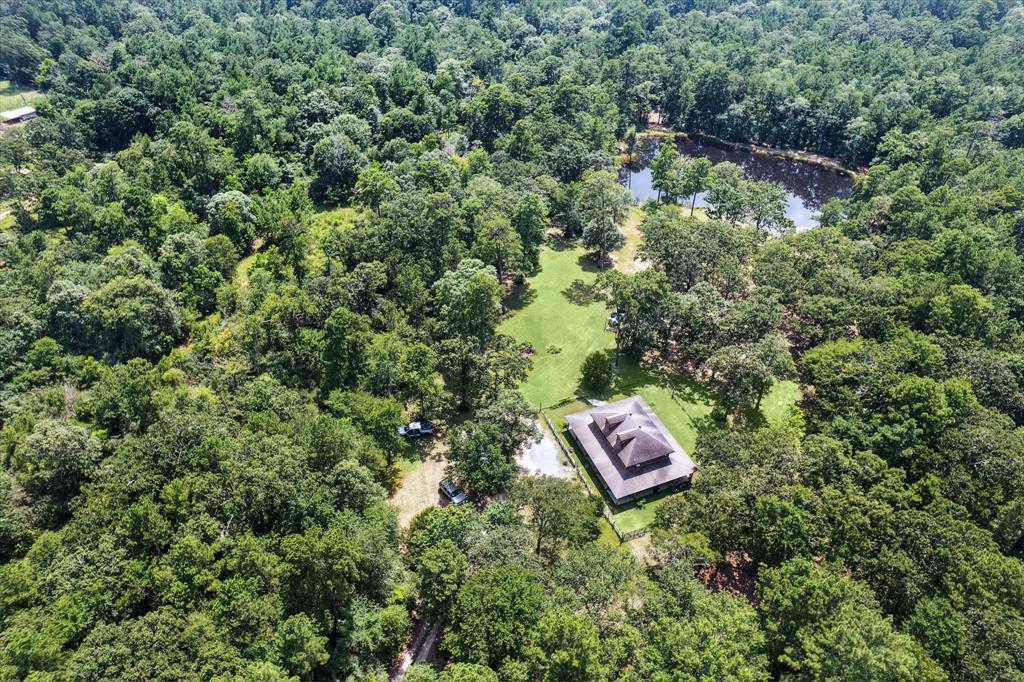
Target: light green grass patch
(321, 225)
(607, 535)
(556, 313)
(625, 257)
(323, 221)
(14, 96)
(241, 279)
(775, 406)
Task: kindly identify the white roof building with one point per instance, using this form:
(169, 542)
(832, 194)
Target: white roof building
(18, 115)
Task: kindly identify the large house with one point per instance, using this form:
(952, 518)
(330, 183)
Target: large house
(630, 449)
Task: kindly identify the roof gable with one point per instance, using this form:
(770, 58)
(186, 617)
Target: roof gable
(631, 433)
(643, 448)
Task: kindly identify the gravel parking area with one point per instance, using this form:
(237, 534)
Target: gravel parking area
(544, 458)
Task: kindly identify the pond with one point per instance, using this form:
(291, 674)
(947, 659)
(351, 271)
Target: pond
(807, 186)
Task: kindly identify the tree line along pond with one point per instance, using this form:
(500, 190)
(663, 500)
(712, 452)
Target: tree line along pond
(807, 186)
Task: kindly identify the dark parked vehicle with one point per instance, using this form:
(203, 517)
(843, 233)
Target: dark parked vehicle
(416, 429)
(452, 491)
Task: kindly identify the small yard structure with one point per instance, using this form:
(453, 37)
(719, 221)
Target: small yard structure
(629, 448)
(19, 115)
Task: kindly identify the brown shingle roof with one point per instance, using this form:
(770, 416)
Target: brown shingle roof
(630, 448)
(632, 434)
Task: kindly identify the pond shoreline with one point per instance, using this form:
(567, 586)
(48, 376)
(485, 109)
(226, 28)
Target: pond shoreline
(808, 181)
(809, 158)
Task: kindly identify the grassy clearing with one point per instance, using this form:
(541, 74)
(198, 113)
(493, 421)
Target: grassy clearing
(625, 257)
(241, 279)
(563, 321)
(558, 314)
(776, 405)
(324, 222)
(418, 489)
(607, 536)
(14, 96)
(320, 226)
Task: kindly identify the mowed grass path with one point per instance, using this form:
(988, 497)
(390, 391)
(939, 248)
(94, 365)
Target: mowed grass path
(626, 256)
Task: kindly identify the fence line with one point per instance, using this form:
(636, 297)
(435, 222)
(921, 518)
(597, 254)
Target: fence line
(605, 510)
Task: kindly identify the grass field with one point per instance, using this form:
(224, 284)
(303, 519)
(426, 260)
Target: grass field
(14, 96)
(558, 314)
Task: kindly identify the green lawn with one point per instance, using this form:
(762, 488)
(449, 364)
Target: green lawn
(558, 315)
(782, 396)
(14, 96)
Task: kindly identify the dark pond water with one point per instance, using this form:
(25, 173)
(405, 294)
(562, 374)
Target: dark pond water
(807, 186)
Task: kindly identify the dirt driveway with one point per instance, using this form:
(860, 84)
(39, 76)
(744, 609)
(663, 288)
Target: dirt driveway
(418, 488)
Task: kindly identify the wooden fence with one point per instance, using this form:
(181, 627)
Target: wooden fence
(623, 536)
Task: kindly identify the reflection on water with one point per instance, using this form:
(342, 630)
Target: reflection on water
(807, 186)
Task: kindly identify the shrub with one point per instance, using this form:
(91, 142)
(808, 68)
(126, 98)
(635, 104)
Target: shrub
(598, 371)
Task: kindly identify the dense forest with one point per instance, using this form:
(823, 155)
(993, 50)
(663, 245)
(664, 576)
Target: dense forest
(244, 241)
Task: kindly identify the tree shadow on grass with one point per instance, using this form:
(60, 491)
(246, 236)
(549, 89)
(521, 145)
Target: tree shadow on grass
(581, 293)
(644, 502)
(560, 243)
(522, 296)
(588, 262)
(631, 377)
(754, 419)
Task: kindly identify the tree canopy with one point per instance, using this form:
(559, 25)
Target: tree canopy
(243, 242)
